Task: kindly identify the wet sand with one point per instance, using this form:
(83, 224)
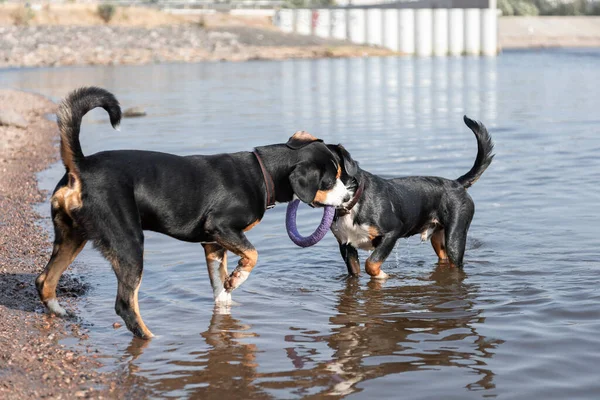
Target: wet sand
(33, 364)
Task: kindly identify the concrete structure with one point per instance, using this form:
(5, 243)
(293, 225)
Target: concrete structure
(406, 30)
(472, 31)
(374, 26)
(423, 28)
(391, 35)
(338, 24)
(456, 32)
(440, 32)
(322, 23)
(423, 32)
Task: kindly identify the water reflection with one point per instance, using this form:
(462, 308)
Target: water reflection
(225, 366)
(383, 330)
(377, 330)
(372, 94)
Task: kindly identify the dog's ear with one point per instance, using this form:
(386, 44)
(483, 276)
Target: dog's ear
(301, 139)
(305, 181)
(350, 165)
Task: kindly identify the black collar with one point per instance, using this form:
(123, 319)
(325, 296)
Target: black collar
(347, 208)
(269, 185)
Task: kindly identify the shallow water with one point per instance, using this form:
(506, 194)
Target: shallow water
(521, 320)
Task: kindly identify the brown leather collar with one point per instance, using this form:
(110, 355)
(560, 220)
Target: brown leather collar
(269, 185)
(347, 208)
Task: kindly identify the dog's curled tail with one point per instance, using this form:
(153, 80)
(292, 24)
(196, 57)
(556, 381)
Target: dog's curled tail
(70, 113)
(485, 146)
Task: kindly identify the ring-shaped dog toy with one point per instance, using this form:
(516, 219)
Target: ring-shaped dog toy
(318, 234)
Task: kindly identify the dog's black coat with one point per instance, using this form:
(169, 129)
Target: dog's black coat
(111, 197)
(389, 209)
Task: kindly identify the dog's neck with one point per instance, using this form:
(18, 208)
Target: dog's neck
(279, 161)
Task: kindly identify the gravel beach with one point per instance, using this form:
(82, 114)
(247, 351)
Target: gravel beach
(33, 364)
(48, 45)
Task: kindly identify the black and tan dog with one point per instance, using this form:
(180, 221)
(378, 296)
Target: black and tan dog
(111, 197)
(383, 210)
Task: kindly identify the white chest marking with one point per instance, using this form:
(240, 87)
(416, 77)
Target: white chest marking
(335, 197)
(346, 231)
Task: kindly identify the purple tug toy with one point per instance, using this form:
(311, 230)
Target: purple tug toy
(318, 234)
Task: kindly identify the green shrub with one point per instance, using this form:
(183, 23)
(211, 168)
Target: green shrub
(506, 7)
(577, 7)
(544, 6)
(106, 11)
(521, 7)
(297, 3)
(594, 8)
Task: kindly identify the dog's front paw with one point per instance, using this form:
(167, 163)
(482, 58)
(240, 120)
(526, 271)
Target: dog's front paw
(237, 277)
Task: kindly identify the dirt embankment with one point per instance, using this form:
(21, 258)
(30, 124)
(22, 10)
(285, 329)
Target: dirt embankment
(76, 35)
(33, 364)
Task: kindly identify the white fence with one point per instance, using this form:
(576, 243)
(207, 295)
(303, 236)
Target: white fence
(408, 31)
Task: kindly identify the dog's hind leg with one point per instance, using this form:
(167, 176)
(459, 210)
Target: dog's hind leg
(456, 234)
(237, 243)
(216, 262)
(350, 256)
(379, 255)
(125, 253)
(438, 242)
(68, 242)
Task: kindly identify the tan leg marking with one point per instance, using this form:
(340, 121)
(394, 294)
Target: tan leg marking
(373, 233)
(63, 255)
(438, 242)
(132, 316)
(216, 262)
(248, 260)
(373, 268)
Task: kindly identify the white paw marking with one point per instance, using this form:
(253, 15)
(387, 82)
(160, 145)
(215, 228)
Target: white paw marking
(223, 297)
(55, 308)
(242, 278)
(380, 275)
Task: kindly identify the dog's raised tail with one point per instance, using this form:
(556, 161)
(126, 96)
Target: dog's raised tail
(70, 113)
(485, 146)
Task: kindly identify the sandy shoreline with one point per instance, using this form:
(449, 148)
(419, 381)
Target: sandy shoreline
(32, 362)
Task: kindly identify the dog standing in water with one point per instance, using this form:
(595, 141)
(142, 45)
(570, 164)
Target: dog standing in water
(383, 210)
(111, 197)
